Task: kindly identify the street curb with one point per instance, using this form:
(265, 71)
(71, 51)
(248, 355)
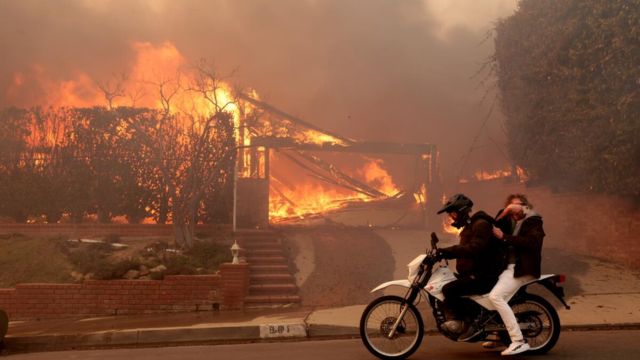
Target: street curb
(114, 338)
(204, 335)
(598, 327)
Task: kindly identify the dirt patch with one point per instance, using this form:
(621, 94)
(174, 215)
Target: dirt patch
(24, 260)
(343, 266)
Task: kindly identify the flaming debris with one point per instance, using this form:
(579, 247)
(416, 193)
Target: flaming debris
(483, 175)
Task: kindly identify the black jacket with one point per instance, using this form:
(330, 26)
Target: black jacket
(480, 254)
(527, 245)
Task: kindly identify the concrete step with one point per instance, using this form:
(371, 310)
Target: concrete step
(260, 243)
(257, 237)
(264, 252)
(271, 284)
(273, 289)
(254, 301)
(257, 246)
(266, 260)
(270, 278)
(268, 268)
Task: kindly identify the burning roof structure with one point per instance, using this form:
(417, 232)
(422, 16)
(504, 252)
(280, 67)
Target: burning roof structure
(299, 142)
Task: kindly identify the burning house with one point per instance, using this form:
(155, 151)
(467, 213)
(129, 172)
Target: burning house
(264, 197)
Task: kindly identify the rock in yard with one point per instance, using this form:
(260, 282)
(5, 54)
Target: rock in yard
(144, 270)
(159, 268)
(132, 274)
(77, 277)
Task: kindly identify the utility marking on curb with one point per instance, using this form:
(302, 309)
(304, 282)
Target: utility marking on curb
(268, 331)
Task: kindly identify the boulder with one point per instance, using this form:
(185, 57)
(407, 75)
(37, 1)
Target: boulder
(77, 276)
(159, 268)
(144, 270)
(132, 274)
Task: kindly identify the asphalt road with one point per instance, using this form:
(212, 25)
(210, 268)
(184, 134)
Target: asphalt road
(584, 345)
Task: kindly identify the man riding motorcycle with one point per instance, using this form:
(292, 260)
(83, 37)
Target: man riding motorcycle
(480, 260)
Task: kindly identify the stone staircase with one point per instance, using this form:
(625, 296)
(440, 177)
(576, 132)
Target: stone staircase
(271, 283)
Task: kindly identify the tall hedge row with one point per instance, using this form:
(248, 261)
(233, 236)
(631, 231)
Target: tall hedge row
(569, 78)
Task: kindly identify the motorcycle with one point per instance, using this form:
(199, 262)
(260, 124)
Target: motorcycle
(391, 326)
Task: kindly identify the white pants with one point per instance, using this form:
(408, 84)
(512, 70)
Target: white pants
(506, 286)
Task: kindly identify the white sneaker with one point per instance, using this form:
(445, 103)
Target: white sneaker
(516, 348)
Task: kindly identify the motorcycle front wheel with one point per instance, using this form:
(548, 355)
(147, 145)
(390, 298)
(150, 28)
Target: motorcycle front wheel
(377, 321)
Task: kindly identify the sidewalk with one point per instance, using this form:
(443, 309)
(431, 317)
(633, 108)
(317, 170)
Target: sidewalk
(596, 311)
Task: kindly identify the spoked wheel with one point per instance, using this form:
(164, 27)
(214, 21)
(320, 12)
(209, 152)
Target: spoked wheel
(539, 322)
(377, 322)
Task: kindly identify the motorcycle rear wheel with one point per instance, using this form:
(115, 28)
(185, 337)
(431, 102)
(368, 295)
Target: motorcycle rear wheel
(378, 319)
(543, 331)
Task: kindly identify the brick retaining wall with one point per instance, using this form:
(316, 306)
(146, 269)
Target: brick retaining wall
(114, 297)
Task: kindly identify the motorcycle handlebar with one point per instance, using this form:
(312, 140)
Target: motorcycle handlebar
(434, 241)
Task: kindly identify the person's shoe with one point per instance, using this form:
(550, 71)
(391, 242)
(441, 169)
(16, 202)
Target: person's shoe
(490, 345)
(453, 326)
(516, 347)
(471, 332)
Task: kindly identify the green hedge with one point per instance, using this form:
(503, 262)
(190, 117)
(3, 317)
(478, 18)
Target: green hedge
(569, 77)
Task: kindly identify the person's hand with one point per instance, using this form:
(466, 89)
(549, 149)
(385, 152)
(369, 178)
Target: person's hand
(510, 209)
(498, 233)
(441, 254)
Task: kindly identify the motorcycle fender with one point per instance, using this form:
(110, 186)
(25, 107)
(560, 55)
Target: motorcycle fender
(403, 283)
(550, 281)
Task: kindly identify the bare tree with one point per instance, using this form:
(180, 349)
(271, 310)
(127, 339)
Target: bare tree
(188, 148)
(113, 88)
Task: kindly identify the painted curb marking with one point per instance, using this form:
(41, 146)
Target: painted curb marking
(269, 331)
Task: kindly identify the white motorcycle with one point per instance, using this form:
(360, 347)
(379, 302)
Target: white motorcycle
(391, 326)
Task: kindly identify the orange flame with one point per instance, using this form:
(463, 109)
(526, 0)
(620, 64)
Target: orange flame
(446, 222)
(378, 177)
(448, 228)
(160, 72)
(318, 138)
(484, 175)
(309, 198)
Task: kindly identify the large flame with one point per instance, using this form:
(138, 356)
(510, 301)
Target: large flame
(311, 198)
(156, 69)
(161, 78)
